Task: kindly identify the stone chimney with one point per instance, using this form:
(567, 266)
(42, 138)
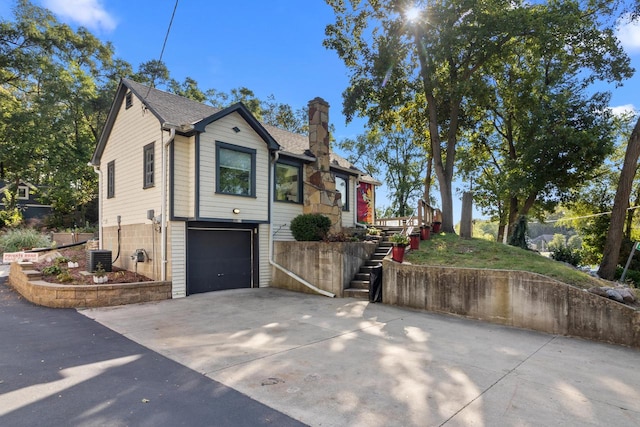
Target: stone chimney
(320, 195)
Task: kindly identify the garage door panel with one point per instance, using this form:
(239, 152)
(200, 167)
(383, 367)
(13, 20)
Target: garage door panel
(219, 260)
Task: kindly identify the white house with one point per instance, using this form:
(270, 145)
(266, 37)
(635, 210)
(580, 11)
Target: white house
(196, 195)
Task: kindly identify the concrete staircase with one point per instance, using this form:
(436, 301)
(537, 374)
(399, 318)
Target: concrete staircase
(359, 286)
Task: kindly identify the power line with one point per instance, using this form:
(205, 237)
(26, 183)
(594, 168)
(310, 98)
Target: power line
(589, 216)
(164, 44)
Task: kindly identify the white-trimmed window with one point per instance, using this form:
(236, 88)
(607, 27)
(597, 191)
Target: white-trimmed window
(23, 192)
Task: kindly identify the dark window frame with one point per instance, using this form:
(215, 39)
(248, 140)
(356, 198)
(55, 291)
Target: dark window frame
(344, 198)
(148, 168)
(245, 150)
(128, 100)
(292, 163)
(111, 179)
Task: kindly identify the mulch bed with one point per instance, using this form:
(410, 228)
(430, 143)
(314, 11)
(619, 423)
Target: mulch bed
(79, 275)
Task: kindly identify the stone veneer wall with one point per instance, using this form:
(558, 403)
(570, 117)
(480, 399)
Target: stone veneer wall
(328, 266)
(320, 195)
(514, 298)
(27, 282)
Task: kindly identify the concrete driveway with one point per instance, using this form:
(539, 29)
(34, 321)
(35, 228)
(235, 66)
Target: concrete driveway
(346, 362)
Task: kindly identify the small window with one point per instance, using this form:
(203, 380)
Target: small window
(342, 187)
(23, 192)
(288, 182)
(111, 179)
(128, 100)
(235, 170)
(148, 155)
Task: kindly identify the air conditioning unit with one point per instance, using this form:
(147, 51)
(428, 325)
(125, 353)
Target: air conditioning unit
(98, 256)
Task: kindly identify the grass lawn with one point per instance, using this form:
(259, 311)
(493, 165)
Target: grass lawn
(449, 250)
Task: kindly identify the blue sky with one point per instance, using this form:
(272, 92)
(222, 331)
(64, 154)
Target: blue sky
(271, 47)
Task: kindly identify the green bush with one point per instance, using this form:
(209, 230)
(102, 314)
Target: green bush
(632, 277)
(564, 253)
(10, 218)
(23, 238)
(310, 227)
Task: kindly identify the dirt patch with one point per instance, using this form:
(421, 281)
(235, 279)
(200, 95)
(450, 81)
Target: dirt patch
(78, 275)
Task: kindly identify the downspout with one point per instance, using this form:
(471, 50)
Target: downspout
(271, 261)
(96, 169)
(163, 206)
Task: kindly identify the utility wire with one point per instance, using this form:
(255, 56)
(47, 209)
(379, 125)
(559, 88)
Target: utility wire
(164, 44)
(588, 216)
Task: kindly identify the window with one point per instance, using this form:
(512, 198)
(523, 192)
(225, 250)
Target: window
(111, 179)
(148, 154)
(128, 100)
(342, 187)
(23, 192)
(288, 182)
(235, 170)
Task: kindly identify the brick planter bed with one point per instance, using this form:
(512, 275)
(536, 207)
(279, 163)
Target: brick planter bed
(27, 281)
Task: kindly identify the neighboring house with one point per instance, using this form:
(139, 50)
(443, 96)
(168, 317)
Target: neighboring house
(195, 194)
(541, 243)
(30, 207)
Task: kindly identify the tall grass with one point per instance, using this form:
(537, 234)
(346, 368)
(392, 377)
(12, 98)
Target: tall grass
(23, 238)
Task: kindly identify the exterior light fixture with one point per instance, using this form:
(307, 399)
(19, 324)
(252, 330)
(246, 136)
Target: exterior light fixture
(236, 211)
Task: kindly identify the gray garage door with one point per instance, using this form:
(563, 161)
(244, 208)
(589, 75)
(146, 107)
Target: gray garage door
(219, 259)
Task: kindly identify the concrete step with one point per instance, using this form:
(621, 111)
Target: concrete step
(372, 263)
(359, 284)
(356, 293)
(366, 269)
(362, 276)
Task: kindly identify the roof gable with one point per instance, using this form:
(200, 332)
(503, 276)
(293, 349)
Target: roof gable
(244, 112)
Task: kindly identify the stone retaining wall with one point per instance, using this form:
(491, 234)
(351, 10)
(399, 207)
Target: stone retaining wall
(28, 282)
(514, 298)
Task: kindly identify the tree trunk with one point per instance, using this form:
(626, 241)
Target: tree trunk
(611, 251)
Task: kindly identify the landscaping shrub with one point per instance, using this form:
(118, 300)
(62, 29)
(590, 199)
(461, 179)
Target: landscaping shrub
(23, 238)
(10, 218)
(310, 227)
(564, 253)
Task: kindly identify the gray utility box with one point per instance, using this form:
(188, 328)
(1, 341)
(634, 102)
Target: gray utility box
(98, 256)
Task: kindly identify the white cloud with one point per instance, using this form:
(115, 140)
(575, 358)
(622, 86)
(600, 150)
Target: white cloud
(88, 13)
(623, 109)
(629, 34)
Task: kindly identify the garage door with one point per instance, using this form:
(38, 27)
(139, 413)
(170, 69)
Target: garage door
(219, 259)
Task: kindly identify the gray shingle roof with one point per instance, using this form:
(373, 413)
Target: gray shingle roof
(172, 108)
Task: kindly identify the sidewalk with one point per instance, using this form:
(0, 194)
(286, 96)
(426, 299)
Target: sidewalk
(345, 362)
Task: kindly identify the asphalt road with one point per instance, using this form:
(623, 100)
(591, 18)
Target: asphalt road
(60, 368)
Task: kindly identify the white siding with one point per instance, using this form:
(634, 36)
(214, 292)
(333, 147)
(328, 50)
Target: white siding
(221, 206)
(264, 265)
(184, 177)
(281, 217)
(133, 129)
(348, 217)
(178, 258)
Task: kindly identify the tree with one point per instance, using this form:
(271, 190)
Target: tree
(55, 83)
(620, 204)
(396, 155)
(442, 54)
(429, 60)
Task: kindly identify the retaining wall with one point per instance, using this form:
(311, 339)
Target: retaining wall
(514, 298)
(328, 266)
(28, 282)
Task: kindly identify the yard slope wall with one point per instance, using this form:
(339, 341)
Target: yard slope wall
(514, 298)
(328, 266)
